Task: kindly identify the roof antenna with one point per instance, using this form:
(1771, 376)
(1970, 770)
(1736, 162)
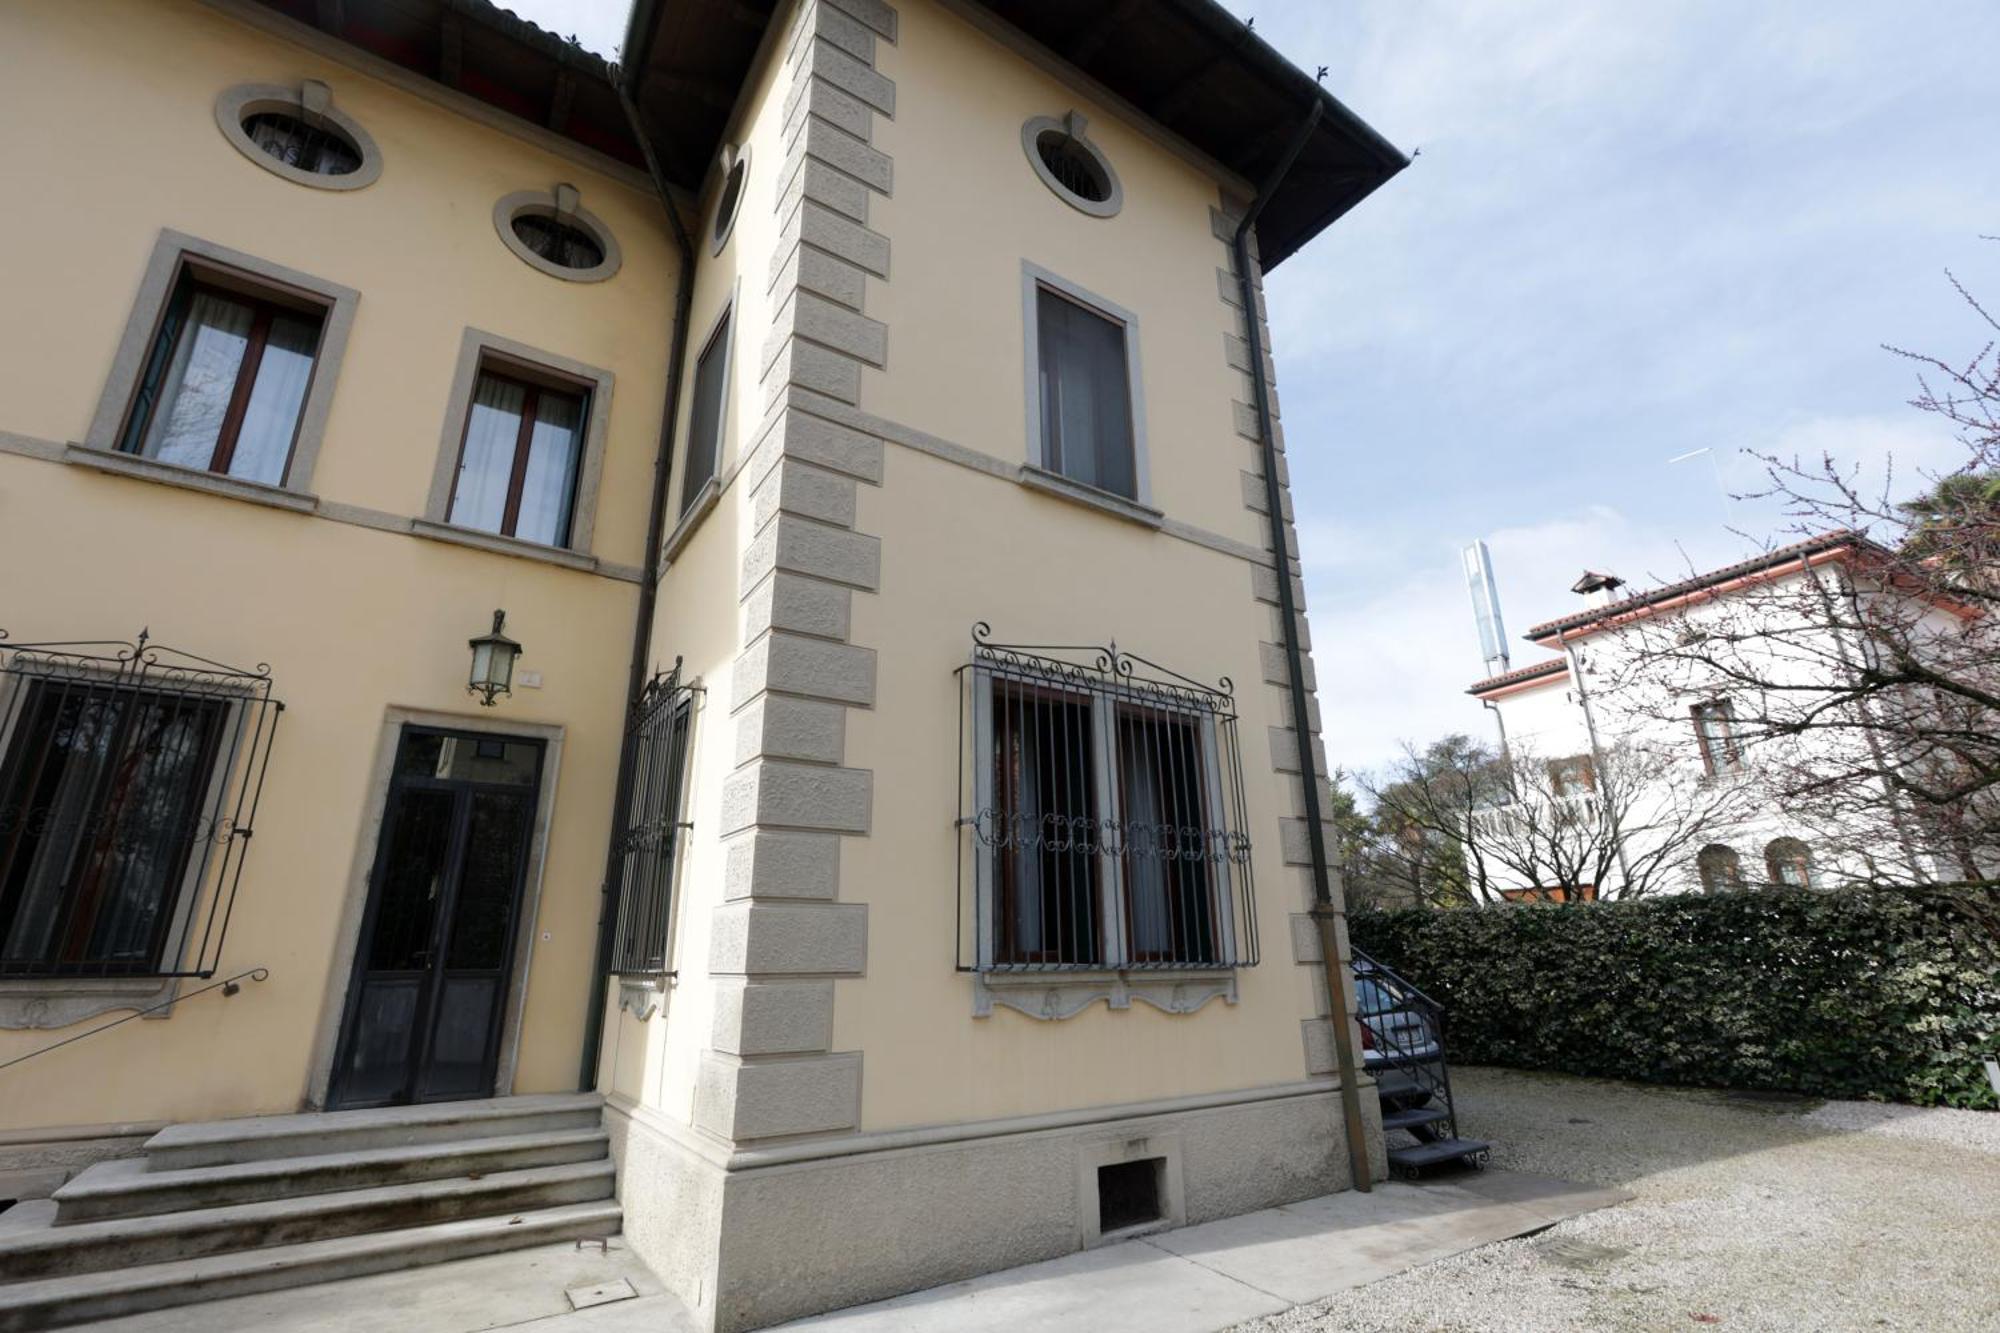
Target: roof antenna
(1320, 77)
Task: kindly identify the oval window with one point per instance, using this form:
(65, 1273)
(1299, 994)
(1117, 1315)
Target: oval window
(1073, 168)
(320, 149)
(726, 204)
(551, 230)
(558, 242)
(298, 133)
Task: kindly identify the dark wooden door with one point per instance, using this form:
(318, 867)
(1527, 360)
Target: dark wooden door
(433, 965)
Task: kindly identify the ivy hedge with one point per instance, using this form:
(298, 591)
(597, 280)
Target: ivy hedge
(1829, 994)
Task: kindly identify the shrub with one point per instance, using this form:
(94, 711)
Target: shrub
(1831, 994)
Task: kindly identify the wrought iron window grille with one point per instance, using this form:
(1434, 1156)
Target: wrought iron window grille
(649, 834)
(1101, 815)
(130, 778)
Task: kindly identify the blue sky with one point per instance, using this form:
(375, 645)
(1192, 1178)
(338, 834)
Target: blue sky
(1633, 230)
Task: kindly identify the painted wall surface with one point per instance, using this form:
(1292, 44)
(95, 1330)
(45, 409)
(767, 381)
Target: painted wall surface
(960, 543)
(353, 621)
(968, 209)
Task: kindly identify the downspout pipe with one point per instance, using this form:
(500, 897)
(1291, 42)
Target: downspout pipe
(649, 595)
(1325, 913)
(1597, 757)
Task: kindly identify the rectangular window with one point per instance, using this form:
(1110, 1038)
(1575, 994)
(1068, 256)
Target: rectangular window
(519, 458)
(711, 374)
(1085, 394)
(225, 379)
(103, 789)
(647, 841)
(1715, 732)
(1105, 820)
(1573, 776)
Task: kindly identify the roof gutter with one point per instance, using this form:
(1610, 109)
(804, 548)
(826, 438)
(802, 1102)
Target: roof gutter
(1325, 912)
(649, 585)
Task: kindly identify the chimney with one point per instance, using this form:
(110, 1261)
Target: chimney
(1597, 589)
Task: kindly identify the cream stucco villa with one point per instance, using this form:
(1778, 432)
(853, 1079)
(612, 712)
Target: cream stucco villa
(708, 646)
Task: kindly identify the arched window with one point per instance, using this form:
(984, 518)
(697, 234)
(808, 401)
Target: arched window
(1789, 862)
(1721, 869)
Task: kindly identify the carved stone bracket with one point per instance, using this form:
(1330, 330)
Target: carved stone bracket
(1053, 996)
(639, 999)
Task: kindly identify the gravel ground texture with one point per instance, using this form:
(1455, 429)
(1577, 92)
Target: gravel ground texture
(1754, 1212)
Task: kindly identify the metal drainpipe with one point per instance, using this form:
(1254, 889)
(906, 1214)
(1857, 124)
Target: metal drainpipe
(649, 595)
(1596, 756)
(1324, 915)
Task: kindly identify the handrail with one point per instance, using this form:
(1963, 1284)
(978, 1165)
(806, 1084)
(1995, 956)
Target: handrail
(1396, 978)
(227, 986)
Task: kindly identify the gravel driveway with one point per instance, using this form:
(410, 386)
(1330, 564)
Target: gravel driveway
(1754, 1211)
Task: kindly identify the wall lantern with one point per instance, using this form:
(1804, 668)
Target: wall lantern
(493, 657)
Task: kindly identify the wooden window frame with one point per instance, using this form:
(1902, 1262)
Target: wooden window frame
(536, 381)
(193, 277)
(1722, 710)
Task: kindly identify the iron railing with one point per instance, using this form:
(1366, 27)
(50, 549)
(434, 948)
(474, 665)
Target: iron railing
(649, 835)
(130, 775)
(1101, 815)
(1402, 1038)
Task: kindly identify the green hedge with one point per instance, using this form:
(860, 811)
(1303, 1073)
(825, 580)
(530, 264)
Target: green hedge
(1832, 994)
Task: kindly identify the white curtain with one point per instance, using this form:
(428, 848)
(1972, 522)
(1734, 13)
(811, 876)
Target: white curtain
(1031, 832)
(551, 476)
(271, 419)
(1146, 839)
(487, 461)
(199, 382)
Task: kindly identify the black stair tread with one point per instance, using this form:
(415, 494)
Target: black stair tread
(1415, 1116)
(1444, 1150)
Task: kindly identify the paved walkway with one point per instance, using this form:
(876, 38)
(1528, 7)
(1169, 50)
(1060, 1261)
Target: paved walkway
(1207, 1277)
(1194, 1280)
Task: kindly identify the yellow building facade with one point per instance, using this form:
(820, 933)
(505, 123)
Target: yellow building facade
(958, 853)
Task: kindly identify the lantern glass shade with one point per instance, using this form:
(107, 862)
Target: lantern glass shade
(493, 657)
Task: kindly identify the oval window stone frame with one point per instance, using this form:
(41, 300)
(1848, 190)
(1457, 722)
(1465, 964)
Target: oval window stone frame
(238, 104)
(547, 203)
(725, 227)
(1071, 126)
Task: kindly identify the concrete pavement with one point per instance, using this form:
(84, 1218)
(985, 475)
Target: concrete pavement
(1193, 1280)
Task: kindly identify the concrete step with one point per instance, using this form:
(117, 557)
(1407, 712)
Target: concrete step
(126, 1188)
(316, 1134)
(52, 1302)
(90, 1247)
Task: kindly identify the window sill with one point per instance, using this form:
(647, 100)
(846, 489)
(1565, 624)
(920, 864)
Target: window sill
(704, 500)
(193, 479)
(57, 1002)
(1105, 502)
(493, 541)
(1057, 995)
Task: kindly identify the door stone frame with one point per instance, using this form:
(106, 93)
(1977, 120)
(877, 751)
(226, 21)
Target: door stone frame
(347, 935)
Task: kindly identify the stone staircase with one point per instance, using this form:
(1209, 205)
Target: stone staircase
(231, 1207)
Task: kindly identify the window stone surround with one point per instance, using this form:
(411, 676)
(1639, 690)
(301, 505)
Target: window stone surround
(308, 99)
(1033, 279)
(476, 350)
(171, 252)
(563, 200)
